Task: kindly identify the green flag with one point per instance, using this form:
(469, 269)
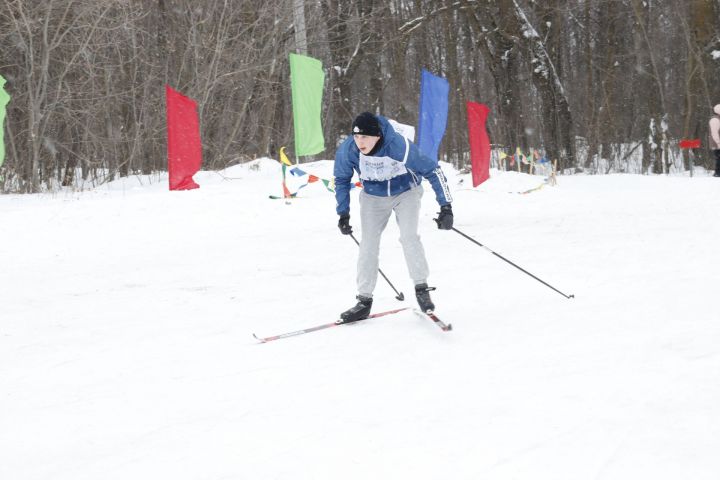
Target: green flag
(4, 99)
(307, 78)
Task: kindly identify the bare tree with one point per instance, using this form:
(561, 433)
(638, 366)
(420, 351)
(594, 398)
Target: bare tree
(607, 78)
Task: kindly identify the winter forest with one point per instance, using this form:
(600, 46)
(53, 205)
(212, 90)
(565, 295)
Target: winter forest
(586, 81)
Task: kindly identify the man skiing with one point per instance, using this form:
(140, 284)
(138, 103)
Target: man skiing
(391, 169)
(714, 138)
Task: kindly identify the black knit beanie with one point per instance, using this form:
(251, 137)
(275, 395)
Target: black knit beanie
(366, 124)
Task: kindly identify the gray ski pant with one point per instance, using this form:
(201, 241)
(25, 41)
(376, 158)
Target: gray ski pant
(374, 215)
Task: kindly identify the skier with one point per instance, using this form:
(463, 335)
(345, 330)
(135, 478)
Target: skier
(391, 169)
(714, 138)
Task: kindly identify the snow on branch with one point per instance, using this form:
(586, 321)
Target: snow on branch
(540, 52)
(415, 23)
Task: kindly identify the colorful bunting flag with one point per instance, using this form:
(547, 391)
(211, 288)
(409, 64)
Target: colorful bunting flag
(307, 79)
(283, 158)
(477, 114)
(523, 157)
(690, 143)
(433, 113)
(183, 140)
(532, 189)
(298, 172)
(311, 179)
(286, 192)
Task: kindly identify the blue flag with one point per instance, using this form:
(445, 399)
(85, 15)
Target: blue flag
(433, 113)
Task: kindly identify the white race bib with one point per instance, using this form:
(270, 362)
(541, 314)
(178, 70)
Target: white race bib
(378, 169)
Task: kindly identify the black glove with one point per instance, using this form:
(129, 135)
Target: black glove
(445, 218)
(344, 224)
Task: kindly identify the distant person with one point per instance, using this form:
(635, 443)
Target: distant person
(714, 140)
(391, 169)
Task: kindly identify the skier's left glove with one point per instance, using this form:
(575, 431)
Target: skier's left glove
(445, 218)
(344, 224)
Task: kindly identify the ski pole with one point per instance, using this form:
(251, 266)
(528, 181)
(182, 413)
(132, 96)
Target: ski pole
(399, 296)
(511, 263)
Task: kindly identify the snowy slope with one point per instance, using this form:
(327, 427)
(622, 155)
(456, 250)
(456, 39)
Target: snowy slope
(126, 347)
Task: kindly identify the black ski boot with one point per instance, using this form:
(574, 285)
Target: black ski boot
(422, 292)
(358, 312)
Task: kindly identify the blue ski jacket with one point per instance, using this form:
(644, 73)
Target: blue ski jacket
(397, 166)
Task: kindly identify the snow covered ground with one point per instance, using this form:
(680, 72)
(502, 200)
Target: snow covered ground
(126, 348)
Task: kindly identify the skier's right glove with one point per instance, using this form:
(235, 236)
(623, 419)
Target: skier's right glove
(344, 224)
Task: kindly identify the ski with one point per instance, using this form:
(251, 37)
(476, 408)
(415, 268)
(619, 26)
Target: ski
(324, 326)
(445, 327)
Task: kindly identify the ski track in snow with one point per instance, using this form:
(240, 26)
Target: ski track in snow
(126, 346)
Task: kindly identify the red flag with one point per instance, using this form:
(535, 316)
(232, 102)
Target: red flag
(184, 148)
(477, 114)
(694, 143)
